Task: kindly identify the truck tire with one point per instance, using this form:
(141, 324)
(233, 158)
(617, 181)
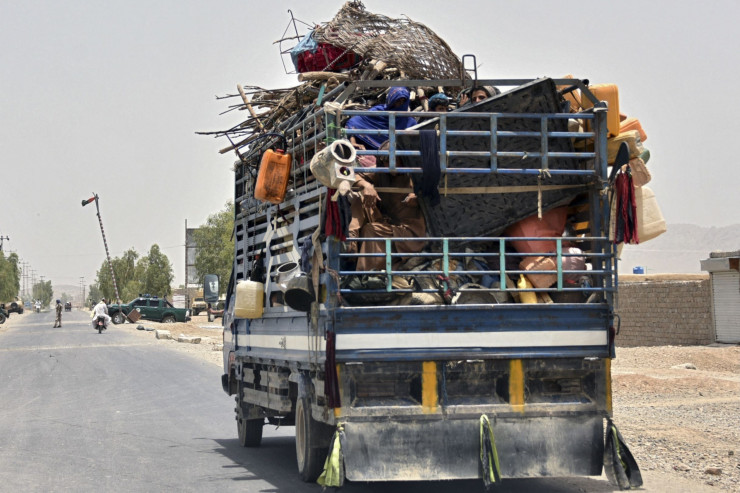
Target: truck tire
(169, 319)
(2, 318)
(309, 455)
(118, 318)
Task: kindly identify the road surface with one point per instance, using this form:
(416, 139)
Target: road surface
(82, 411)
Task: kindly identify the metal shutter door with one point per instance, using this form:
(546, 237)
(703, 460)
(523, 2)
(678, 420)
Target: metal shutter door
(726, 292)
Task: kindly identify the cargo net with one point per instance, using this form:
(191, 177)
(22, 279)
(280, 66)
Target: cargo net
(412, 48)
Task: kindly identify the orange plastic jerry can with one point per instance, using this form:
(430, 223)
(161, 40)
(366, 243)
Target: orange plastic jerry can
(632, 124)
(610, 94)
(272, 177)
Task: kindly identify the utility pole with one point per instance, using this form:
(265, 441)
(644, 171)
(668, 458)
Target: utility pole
(95, 199)
(41, 282)
(82, 288)
(2, 238)
(23, 279)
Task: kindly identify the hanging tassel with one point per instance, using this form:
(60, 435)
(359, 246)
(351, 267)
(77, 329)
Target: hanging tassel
(331, 381)
(333, 474)
(488, 454)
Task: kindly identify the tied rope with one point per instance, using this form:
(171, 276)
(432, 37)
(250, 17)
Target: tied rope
(445, 288)
(544, 173)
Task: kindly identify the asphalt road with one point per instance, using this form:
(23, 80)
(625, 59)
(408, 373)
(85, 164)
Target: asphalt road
(82, 411)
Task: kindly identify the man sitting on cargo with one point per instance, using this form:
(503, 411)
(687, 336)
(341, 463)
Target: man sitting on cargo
(478, 94)
(384, 215)
(397, 100)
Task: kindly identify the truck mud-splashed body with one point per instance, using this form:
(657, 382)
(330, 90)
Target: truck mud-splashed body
(409, 382)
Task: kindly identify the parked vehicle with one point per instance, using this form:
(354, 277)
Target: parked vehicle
(14, 306)
(198, 304)
(149, 308)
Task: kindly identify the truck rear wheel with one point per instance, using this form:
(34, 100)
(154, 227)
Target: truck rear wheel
(309, 455)
(2, 318)
(118, 318)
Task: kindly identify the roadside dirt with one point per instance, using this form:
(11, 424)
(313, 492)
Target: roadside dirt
(681, 420)
(681, 424)
(211, 333)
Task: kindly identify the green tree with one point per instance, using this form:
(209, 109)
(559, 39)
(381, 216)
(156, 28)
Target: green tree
(43, 291)
(215, 246)
(93, 296)
(125, 270)
(154, 273)
(149, 274)
(9, 277)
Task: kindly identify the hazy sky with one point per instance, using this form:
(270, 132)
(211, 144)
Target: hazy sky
(106, 97)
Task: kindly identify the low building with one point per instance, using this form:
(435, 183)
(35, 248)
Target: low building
(724, 272)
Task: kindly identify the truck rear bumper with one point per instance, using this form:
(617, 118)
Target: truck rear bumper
(444, 449)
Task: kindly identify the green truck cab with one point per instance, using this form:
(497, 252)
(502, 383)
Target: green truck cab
(150, 308)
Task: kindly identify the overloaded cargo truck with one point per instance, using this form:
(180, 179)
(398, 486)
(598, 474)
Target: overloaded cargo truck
(483, 352)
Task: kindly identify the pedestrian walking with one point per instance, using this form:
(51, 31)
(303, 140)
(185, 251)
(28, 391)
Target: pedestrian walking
(58, 321)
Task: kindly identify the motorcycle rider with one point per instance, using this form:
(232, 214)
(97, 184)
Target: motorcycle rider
(101, 310)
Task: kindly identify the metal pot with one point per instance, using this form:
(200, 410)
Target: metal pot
(299, 293)
(285, 273)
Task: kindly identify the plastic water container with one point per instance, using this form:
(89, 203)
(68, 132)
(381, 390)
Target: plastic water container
(638, 270)
(610, 94)
(632, 123)
(249, 299)
(650, 220)
(528, 296)
(272, 177)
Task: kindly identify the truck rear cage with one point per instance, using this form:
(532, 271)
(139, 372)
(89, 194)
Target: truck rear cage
(513, 152)
(314, 126)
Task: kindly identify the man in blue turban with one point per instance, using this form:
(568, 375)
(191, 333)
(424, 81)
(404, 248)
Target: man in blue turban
(397, 100)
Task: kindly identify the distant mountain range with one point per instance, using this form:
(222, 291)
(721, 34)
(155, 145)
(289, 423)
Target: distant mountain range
(70, 289)
(680, 249)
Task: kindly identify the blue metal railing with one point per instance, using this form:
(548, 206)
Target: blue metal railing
(600, 279)
(492, 133)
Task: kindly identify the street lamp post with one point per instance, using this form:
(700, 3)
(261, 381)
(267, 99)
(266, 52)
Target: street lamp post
(94, 198)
